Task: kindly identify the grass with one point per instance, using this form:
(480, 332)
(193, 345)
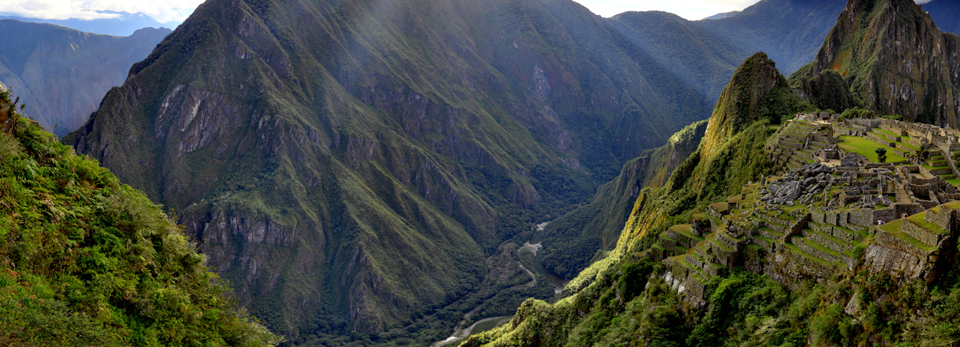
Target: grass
(920, 220)
(895, 228)
(888, 133)
(793, 248)
(867, 148)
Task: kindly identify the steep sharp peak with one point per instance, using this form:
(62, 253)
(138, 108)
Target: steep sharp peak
(894, 58)
(741, 101)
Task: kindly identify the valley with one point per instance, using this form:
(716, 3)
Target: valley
(484, 173)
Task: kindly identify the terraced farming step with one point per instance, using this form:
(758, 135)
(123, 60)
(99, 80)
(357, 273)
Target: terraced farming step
(817, 250)
(828, 241)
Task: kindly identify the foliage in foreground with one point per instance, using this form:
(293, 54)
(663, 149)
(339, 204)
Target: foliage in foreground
(86, 261)
(620, 308)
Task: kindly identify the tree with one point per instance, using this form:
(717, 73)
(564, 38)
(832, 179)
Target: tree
(881, 155)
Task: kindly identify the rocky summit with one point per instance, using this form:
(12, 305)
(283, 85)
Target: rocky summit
(891, 58)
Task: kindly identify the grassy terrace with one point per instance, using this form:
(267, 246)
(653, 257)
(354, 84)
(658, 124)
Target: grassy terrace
(920, 220)
(894, 229)
(867, 148)
(684, 229)
(720, 207)
(905, 141)
(793, 248)
(955, 205)
(886, 133)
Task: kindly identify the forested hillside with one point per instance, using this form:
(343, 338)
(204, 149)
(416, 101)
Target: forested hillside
(88, 261)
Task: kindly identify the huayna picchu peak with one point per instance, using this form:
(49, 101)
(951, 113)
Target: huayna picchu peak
(892, 59)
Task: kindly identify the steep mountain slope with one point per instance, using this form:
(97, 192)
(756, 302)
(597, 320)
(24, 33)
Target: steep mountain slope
(702, 54)
(325, 153)
(729, 155)
(789, 31)
(62, 74)
(571, 242)
(87, 261)
(893, 60)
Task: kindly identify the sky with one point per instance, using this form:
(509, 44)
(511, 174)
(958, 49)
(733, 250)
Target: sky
(164, 11)
(175, 11)
(688, 9)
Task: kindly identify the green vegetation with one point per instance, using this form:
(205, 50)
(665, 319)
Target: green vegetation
(87, 261)
(576, 239)
(881, 155)
(867, 148)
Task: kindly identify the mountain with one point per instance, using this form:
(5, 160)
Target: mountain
(122, 24)
(572, 241)
(789, 31)
(893, 60)
(704, 55)
(722, 15)
(62, 74)
(788, 289)
(730, 154)
(350, 166)
(88, 261)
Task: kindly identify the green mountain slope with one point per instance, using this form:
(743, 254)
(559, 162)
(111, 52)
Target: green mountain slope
(628, 298)
(350, 165)
(571, 242)
(62, 74)
(705, 53)
(86, 261)
(604, 307)
(893, 60)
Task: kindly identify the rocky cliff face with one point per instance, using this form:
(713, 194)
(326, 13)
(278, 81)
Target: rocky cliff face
(894, 59)
(325, 154)
(62, 74)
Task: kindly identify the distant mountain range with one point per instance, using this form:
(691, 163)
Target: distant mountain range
(124, 24)
(61, 74)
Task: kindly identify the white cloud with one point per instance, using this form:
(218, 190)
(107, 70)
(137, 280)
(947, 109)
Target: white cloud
(688, 9)
(163, 11)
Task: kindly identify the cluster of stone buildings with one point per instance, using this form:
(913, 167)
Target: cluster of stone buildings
(815, 219)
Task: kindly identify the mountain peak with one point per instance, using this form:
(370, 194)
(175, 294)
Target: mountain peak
(894, 59)
(743, 101)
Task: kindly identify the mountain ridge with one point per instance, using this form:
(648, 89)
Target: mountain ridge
(61, 74)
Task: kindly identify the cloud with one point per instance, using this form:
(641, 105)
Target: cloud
(163, 11)
(689, 9)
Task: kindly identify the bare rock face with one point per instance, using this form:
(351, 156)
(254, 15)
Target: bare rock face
(893, 58)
